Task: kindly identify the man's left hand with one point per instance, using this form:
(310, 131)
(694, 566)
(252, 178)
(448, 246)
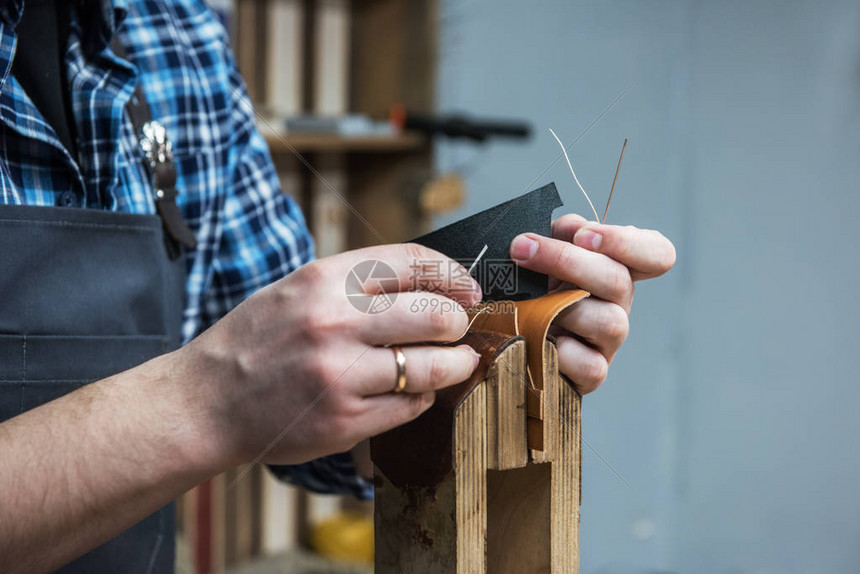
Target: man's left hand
(604, 260)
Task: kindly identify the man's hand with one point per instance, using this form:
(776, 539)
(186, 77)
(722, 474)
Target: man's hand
(604, 260)
(297, 372)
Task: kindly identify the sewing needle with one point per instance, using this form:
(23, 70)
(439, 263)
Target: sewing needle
(614, 179)
(478, 258)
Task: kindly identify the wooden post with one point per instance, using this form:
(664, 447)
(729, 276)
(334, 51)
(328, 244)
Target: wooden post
(459, 491)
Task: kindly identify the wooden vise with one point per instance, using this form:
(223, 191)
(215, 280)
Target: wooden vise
(488, 479)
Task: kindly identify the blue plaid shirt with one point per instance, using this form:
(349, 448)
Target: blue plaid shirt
(249, 233)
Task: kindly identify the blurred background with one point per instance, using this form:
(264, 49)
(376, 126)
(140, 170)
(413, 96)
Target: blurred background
(731, 411)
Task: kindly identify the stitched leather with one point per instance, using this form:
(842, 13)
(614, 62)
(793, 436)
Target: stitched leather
(531, 320)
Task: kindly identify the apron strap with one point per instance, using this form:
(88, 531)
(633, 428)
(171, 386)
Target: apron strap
(159, 155)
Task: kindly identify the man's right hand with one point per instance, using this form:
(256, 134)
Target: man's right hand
(297, 372)
(293, 373)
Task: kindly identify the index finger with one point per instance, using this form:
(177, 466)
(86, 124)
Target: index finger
(647, 253)
(405, 267)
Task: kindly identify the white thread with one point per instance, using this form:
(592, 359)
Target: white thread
(472, 321)
(573, 173)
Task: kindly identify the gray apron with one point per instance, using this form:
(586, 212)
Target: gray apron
(85, 294)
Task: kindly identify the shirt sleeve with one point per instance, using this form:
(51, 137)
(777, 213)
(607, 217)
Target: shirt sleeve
(263, 238)
(334, 474)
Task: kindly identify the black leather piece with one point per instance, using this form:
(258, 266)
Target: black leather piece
(499, 277)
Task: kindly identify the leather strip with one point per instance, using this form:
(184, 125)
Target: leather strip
(163, 173)
(531, 320)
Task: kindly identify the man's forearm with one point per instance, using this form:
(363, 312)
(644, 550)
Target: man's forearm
(81, 469)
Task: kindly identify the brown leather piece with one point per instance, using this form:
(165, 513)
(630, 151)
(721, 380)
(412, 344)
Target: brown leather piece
(530, 319)
(534, 317)
(419, 453)
(165, 182)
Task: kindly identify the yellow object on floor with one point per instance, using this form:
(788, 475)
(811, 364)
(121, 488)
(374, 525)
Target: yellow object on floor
(345, 537)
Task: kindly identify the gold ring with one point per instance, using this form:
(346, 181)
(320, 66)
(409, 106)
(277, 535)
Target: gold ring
(400, 359)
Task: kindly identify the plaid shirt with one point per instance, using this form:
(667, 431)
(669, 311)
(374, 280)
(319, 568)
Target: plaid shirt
(249, 233)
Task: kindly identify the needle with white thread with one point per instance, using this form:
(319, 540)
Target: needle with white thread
(478, 258)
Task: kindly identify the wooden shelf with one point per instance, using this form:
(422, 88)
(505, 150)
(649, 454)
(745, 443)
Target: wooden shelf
(345, 144)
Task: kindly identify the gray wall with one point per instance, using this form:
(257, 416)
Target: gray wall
(732, 410)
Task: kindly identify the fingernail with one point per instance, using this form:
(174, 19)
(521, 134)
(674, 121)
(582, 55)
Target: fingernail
(475, 356)
(523, 248)
(587, 239)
